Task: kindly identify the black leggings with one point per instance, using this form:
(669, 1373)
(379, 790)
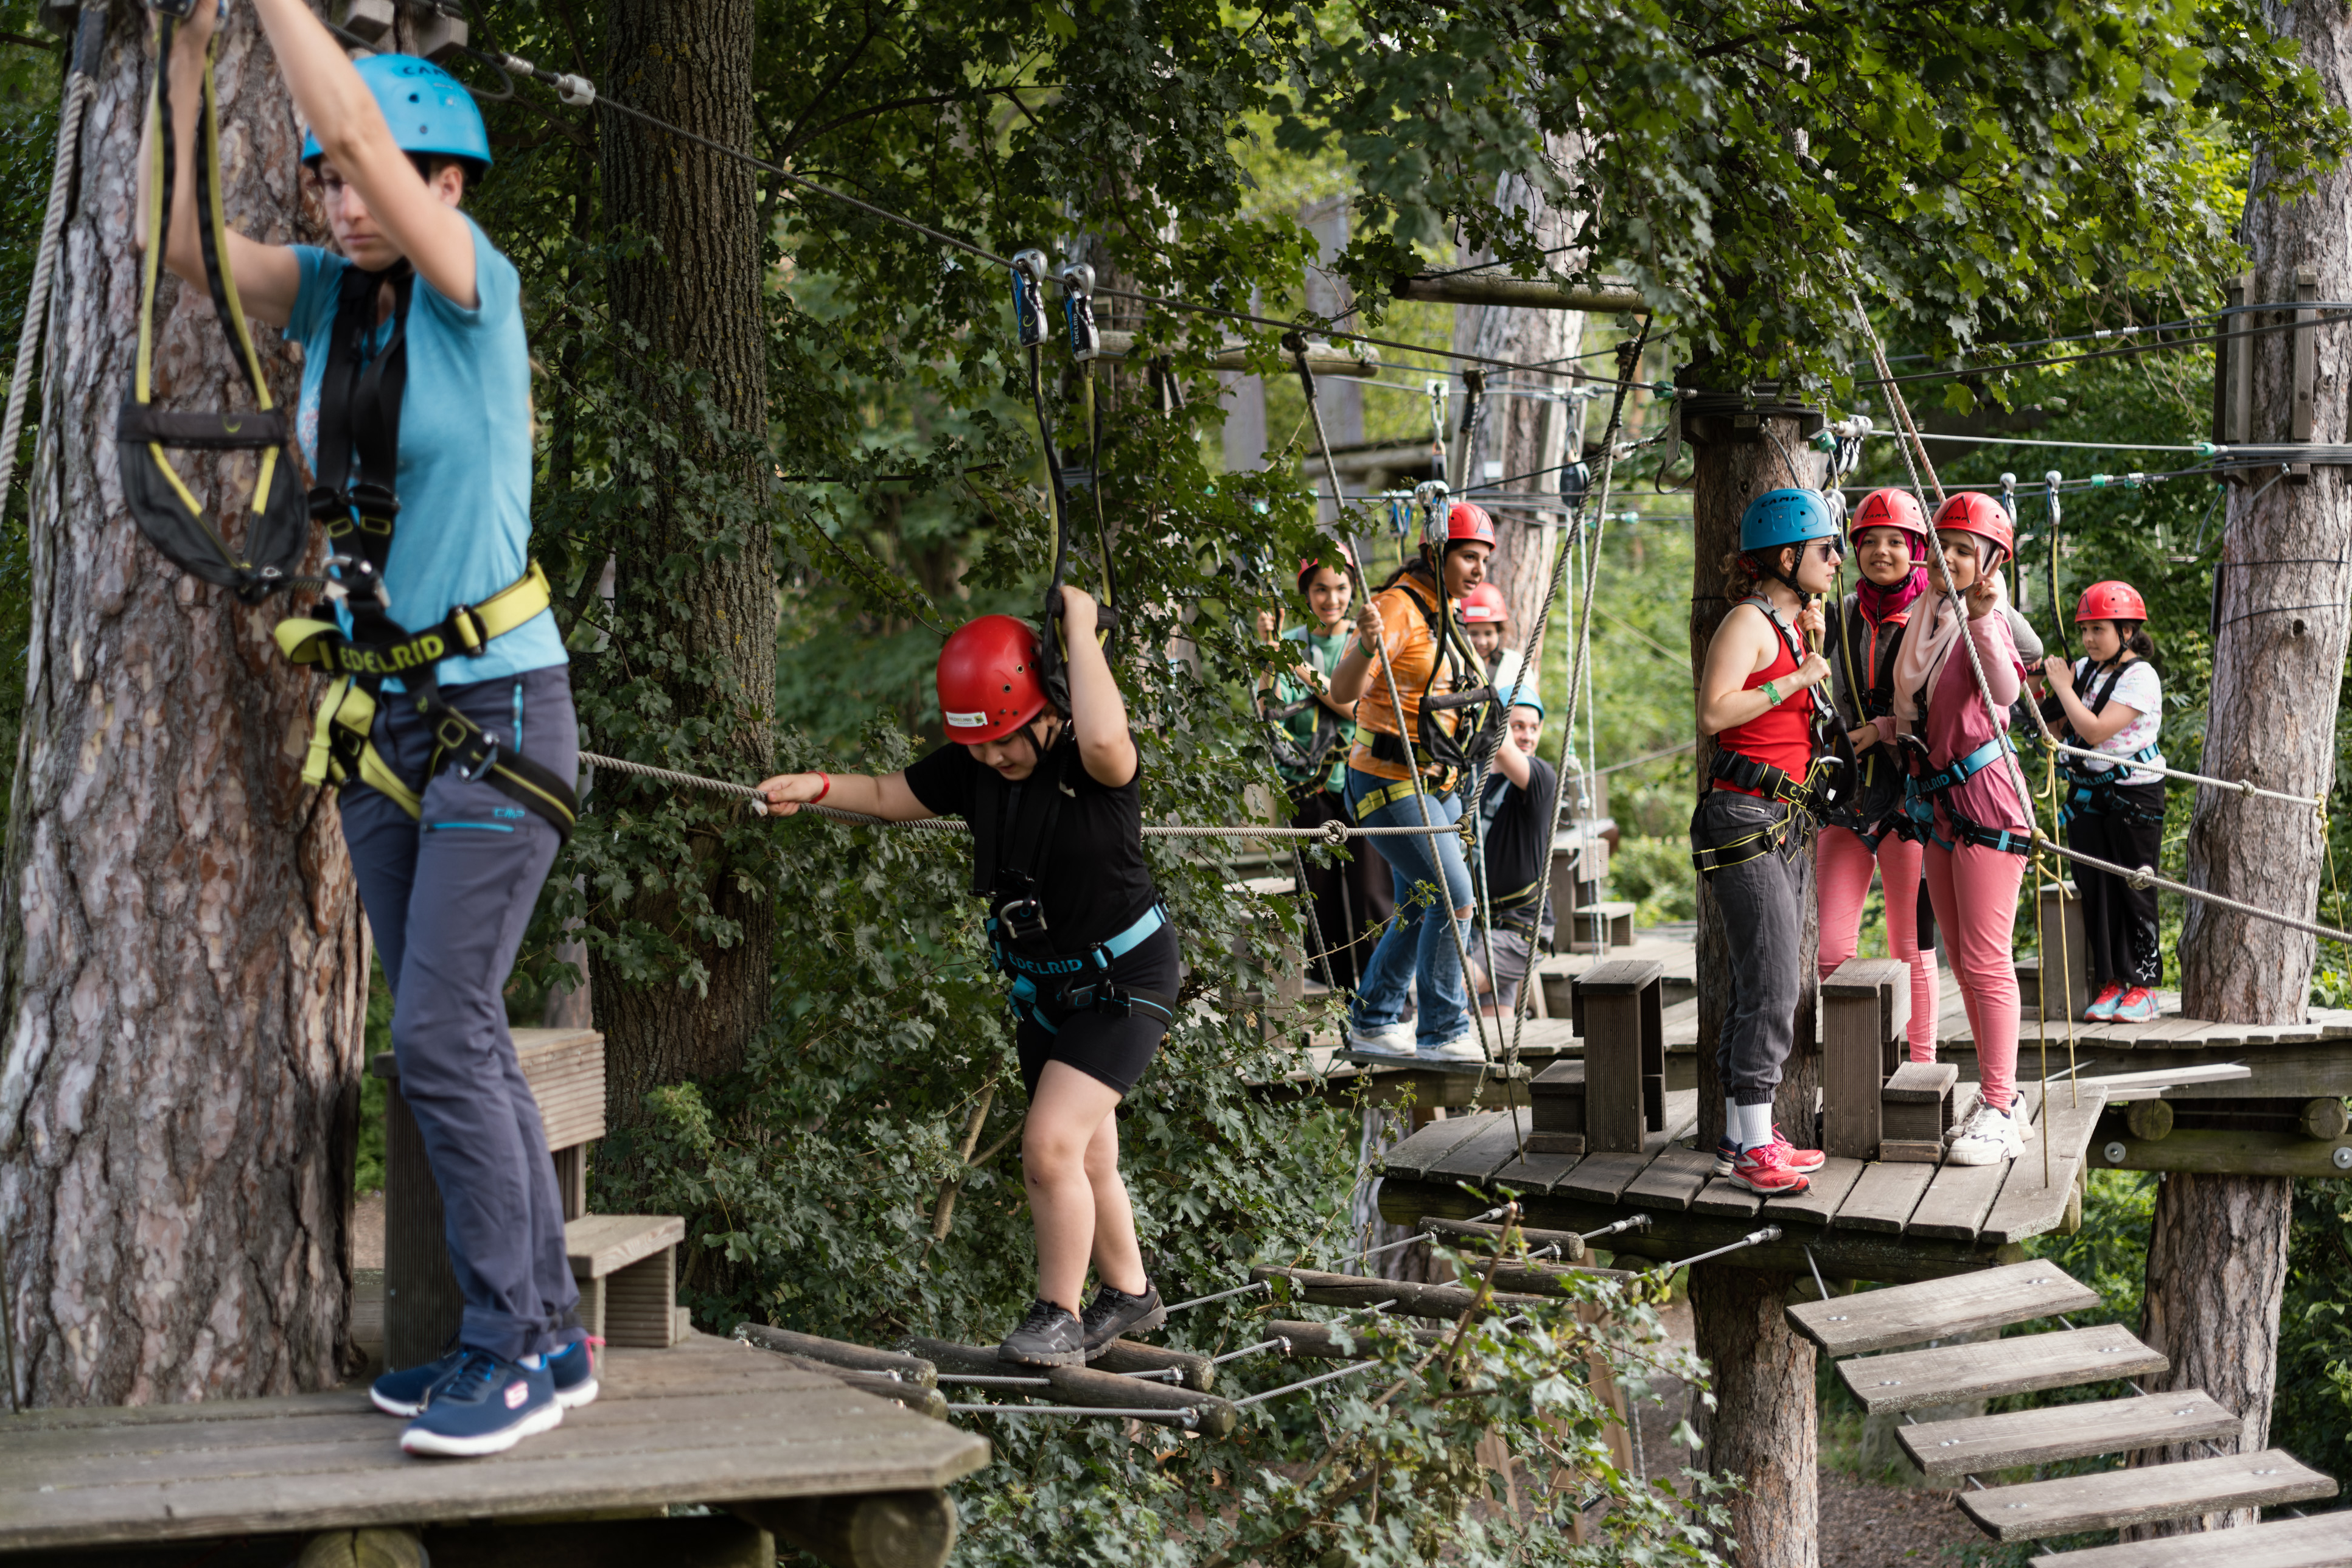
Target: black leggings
(2118, 919)
(1111, 1047)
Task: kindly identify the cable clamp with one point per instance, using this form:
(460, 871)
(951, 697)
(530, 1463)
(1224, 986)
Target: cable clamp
(574, 92)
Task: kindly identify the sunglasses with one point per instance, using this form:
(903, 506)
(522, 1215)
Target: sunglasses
(1832, 548)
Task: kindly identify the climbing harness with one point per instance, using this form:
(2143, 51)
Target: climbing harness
(165, 509)
(2097, 791)
(1008, 870)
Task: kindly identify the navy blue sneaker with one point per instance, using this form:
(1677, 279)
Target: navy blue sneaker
(487, 1407)
(408, 1391)
(574, 1371)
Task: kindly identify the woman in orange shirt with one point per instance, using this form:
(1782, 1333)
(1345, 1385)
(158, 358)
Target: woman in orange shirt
(1411, 624)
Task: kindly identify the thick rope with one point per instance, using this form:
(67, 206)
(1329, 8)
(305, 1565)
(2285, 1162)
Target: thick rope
(79, 89)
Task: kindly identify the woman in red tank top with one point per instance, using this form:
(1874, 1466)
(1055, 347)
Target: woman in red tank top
(1756, 697)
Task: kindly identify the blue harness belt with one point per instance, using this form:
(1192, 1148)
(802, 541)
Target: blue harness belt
(1080, 982)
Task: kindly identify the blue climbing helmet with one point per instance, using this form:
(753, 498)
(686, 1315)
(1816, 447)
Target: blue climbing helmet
(1778, 518)
(428, 110)
(1524, 694)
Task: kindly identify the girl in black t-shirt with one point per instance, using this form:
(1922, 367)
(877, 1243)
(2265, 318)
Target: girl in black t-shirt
(1057, 837)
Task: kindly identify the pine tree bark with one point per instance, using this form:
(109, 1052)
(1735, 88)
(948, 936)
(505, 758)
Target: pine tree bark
(696, 295)
(186, 968)
(1726, 475)
(1762, 1430)
(2217, 1261)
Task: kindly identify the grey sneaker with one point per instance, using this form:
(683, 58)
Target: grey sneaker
(1382, 1039)
(1051, 1335)
(1114, 1312)
(1462, 1047)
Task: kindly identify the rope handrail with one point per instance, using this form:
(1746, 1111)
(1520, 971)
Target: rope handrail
(1334, 833)
(2246, 787)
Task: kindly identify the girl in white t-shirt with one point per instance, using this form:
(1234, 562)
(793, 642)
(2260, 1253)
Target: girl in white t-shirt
(2112, 702)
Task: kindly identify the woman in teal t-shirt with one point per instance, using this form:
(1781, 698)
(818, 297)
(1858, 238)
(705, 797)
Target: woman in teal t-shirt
(415, 360)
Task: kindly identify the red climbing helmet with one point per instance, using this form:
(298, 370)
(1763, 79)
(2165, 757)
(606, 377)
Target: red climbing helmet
(1465, 524)
(2110, 601)
(1891, 509)
(988, 680)
(1974, 512)
(1313, 564)
(1485, 606)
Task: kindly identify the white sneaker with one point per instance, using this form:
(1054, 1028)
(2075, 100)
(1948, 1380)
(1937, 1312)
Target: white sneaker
(1990, 1137)
(1382, 1039)
(1462, 1047)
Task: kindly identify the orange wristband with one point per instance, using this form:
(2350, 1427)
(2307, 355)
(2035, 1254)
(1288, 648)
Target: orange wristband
(823, 792)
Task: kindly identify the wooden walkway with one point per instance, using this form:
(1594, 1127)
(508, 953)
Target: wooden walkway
(1861, 1220)
(711, 1421)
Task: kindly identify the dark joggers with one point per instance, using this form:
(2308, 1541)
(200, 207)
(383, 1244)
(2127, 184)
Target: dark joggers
(2119, 920)
(447, 899)
(1763, 896)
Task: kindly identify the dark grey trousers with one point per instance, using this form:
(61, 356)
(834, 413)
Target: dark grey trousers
(1763, 900)
(447, 897)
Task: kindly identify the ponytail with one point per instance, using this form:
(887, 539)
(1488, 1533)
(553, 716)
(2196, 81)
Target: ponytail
(2135, 637)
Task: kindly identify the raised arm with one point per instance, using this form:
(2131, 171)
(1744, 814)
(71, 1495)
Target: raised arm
(350, 131)
(1097, 712)
(268, 276)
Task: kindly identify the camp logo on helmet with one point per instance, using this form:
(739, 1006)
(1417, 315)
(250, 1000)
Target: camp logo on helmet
(965, 720)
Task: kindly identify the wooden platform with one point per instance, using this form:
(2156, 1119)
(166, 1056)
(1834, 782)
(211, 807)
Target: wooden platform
(1869, 1221)
(711, 1421)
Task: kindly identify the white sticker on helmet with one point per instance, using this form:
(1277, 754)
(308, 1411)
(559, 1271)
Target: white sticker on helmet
(967, 720)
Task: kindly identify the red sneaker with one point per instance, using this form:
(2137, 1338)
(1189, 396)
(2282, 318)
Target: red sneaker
(1762, 1170)
(1795, 1159)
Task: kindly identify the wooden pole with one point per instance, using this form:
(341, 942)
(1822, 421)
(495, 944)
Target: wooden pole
(1515, 293)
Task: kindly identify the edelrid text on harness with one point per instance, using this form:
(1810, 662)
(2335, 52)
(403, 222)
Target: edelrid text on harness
(1013, 835)
(356, 501)
(1920, 789)
(166, 511)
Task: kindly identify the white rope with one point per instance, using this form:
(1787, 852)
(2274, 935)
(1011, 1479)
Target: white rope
(1332, 833)
(2235, 786)
(79, 88)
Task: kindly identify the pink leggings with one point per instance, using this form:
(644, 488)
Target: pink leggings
(1842, 873)
(1974, 890)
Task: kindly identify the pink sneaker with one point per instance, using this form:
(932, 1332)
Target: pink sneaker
(1762, 1170)
(1805, 1161)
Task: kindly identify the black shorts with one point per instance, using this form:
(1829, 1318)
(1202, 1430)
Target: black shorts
(1113, 1047)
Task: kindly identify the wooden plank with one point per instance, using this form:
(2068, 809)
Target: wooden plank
(2110, 1500)
(601, 1244)
(1535, 1172)
(1486, 1151)
(1412, 1156)
(1615, 1119)
(2022, 1364)
(1947, 1450)
(2027, 1205)
(1672, 1180)
(1940, 1309)
(1957, 1202)
(1721, 1198)
(1884, 1199)
(1619, 977)
(1602, 1178)
(2322, 1541)
(1819, 1202)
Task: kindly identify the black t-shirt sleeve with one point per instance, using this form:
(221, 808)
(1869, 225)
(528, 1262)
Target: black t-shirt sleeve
(943, 781)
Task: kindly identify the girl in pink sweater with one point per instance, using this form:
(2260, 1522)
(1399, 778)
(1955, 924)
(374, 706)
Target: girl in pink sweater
(1982, 832)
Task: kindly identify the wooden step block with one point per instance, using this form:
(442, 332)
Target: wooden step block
(1947, 1450)
(1953, 1373)
(1616, 923)
(2109, 1500)
(1940, 1309)
(1916, 1110)
(1619, 1011)
(2323, 1541)
(1556, 1110)
(627, 1268)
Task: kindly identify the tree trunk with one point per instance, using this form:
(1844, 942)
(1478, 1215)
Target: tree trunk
(186, 968)
(1761, 1431)
(1728, 473)
(1529, 430)
(697, 296)
(2217, 1261)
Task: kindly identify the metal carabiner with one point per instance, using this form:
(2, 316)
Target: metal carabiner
(1078, 282)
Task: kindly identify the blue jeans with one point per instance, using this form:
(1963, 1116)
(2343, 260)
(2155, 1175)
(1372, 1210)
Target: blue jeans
(1419, 947)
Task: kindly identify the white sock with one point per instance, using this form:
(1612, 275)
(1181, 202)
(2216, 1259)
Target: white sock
(1755, 1126)
(534, 1362)
(1731, 1119)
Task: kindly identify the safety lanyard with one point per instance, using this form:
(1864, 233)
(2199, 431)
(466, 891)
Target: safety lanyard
(165, 509)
